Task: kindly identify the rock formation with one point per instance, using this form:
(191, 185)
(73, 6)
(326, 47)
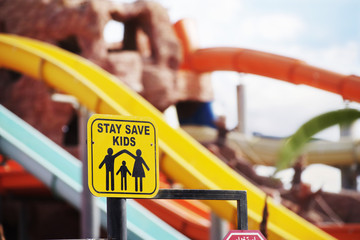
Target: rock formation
(147, 60)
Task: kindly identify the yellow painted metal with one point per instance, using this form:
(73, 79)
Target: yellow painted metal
(182, 158)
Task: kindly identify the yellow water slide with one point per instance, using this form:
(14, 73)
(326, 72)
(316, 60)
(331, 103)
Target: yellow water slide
(182, 158)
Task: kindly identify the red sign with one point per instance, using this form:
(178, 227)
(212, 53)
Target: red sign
(244, 235)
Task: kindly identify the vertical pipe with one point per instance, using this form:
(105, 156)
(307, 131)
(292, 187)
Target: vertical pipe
(241, 107)
(348, 173)
(90, 213)
(116, 218)
(219, 227)
(348, 177)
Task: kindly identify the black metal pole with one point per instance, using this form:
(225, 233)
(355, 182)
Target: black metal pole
(242, 214)
(116, 218)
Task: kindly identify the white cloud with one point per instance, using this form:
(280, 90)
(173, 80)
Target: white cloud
(273, 27)
(114, 31)
(203, 11)
(278, 109)
(342, 58)
(322, 177)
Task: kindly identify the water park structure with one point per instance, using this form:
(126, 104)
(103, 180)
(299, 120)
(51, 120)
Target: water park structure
(182, 158)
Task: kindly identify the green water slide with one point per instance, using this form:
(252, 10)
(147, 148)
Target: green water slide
(61, 172)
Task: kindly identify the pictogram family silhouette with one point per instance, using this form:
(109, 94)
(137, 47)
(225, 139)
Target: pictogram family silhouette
(138, 171)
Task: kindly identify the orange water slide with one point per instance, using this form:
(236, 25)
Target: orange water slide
(179, 216)
(190, 217)
(263, 64)
(14, 179)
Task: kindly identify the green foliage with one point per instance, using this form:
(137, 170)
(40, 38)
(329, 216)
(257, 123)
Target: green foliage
(294, 145)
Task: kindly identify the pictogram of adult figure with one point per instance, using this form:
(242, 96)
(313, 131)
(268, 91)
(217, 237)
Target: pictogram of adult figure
(109, 160)
(124, 170)
(138, 170)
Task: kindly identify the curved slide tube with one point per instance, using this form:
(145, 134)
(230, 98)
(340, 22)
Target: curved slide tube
(61, 172)
(261, 63)
(265, 151)
(274, 66)
(182, 158)
(182, 217)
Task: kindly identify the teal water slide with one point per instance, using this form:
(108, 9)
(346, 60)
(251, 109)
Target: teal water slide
(62, 173)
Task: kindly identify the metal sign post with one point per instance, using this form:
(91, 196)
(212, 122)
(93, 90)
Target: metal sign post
(123, 163)
(116, 218)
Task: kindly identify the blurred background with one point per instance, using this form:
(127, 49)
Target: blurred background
(321, 33)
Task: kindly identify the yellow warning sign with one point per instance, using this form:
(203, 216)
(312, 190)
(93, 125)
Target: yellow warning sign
(122, 157)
